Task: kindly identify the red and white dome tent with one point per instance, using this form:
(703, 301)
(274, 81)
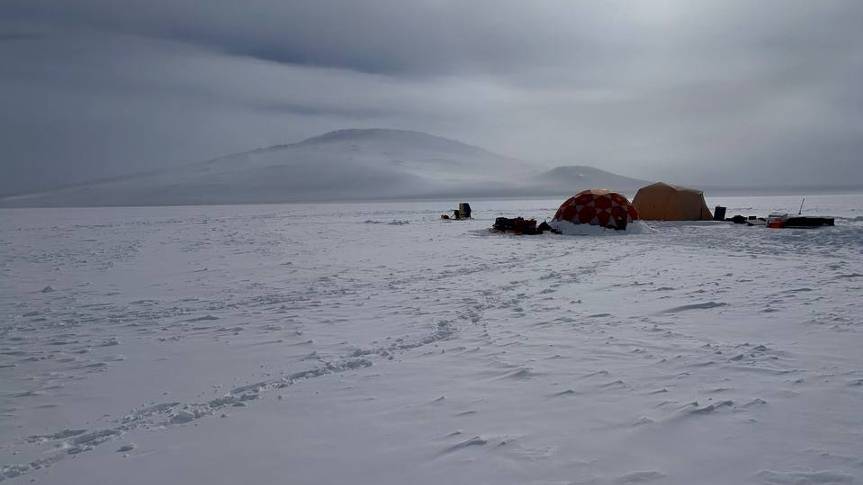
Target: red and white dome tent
(598, 207)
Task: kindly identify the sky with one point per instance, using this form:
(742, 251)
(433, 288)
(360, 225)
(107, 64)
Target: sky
(707, 92)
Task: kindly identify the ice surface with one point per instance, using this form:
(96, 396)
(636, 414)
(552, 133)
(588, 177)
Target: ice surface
(375, 343)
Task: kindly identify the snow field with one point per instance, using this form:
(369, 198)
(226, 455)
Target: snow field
(309, 344)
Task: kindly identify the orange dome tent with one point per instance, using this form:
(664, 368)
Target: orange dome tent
(665, 202)
(598, 207)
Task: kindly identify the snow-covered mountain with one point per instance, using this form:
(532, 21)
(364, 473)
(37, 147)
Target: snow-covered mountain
(340, 165)
(561, 179)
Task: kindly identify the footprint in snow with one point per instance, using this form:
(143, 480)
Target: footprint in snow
(475, 441)
(694, 306)
(466, 413)
(824, 477)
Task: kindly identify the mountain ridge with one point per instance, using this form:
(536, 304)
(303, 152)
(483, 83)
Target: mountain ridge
(349, 164)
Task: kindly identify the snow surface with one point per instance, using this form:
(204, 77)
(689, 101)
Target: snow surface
(572, 229)
(375, 343)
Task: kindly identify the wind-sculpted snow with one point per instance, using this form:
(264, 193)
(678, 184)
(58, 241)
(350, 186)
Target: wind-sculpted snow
(329, 344)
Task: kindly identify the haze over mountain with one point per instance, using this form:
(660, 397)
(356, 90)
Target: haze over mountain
(561, 180)
(340, 165)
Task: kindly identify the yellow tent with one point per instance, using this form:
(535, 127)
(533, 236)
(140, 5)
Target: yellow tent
(664, 202)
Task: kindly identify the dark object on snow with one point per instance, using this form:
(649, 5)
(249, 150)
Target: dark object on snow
(519, 225)
(738, 219)
(463, 212)
(779, 221)
(503, 224)
(809, 221)
(444, 217)
(719, 213)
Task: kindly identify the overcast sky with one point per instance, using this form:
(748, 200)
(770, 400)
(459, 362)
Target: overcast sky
(696, 91)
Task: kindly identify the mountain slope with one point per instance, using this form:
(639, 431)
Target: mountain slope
(564, 179)
(340, 165)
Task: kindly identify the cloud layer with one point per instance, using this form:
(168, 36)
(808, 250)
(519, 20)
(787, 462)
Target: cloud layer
(698, 92)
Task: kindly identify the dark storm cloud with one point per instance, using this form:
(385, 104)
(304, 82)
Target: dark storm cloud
(717, 90)
(375, 36)
(448, 36)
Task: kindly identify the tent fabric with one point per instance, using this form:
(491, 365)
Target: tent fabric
(666, 202)
(598, 207)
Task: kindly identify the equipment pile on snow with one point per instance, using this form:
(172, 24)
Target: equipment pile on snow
(520, 225)
(590, 211)
(779, 221)
(463, 212)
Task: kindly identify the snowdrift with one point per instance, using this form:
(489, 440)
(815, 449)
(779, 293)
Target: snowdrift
(571, 229)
